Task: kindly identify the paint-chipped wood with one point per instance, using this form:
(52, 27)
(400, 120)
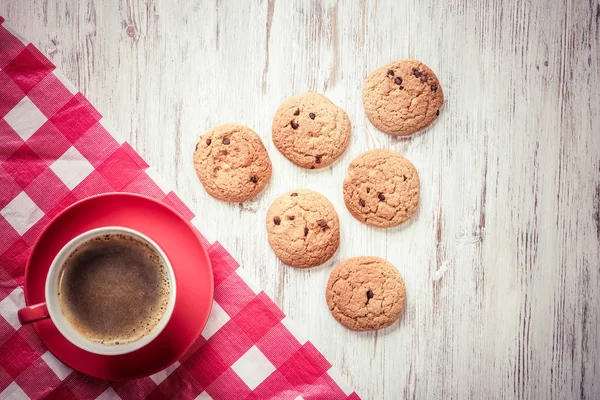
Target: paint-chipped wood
(502, 261)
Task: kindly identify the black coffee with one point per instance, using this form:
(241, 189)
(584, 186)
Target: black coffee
(114, 289)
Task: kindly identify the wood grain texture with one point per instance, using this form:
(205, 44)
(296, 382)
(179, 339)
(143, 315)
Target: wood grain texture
(502, 261)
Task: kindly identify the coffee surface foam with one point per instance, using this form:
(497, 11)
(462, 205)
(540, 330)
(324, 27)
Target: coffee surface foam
(114, 289)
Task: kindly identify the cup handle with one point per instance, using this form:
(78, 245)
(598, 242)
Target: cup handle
(36, 312)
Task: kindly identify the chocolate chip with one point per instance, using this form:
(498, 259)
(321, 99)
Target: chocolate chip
(312, 167)
(362, 203)
(437, 113)
(291, 217)
(226, 141)
(369, 296)
(305, 231)
(322, 223)
(381, 197)
(277, 220)
(403, 178)
(318, 158)
(294, 194)
(197, 146)
(368, 190)
(208, 141)
(434, 88)
(398, 81)
(417, 73)
(390, 73)
(294, 125)
(401, 87)
(312, 115)
(423, 78)
(297, 112)
(254, 179)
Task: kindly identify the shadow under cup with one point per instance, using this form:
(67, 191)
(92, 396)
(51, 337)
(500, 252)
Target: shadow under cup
(101, 271)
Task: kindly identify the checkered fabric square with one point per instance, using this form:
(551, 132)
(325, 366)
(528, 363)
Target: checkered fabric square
(54, 150)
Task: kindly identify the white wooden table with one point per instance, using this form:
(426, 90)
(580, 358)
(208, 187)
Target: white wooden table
(502, 261)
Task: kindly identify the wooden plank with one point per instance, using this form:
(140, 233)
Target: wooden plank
(502, 262)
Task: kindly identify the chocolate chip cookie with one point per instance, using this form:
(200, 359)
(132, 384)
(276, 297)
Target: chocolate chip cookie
(310, 130)
(381, 188)
(303, 228)
(366, 293)
(232, 163)
(402, 97)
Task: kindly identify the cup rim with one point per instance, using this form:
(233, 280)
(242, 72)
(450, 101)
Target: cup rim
(64, 326)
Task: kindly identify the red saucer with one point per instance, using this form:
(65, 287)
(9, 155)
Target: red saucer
(181, 244)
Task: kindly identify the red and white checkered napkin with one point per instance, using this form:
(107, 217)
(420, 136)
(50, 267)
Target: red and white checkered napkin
(54, 151)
